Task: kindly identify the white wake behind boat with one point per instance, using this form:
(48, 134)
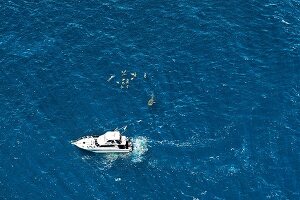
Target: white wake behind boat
(109, 142)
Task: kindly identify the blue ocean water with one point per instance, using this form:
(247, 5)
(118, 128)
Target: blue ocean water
(225, 76)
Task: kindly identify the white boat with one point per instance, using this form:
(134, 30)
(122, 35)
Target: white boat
(109, 142)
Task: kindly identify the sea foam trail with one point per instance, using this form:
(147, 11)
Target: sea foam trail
(140, 147)
(180, 144)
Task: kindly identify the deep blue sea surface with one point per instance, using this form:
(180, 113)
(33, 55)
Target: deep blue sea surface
(225, 76)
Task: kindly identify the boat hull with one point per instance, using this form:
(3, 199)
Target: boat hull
(110, 142)
(111, 151)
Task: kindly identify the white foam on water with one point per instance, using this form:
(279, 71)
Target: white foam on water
(110, 159)
(173, 143)
(140, 147)
(194, 142)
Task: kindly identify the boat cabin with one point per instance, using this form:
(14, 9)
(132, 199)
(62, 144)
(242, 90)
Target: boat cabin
(111, 138)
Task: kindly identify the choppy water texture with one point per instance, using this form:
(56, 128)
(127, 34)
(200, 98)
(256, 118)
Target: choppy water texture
(225, 77)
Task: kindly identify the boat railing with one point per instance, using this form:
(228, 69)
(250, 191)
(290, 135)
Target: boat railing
(94, 136)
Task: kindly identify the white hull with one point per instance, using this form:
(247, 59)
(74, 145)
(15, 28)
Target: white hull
(105, 149)
(111, 151)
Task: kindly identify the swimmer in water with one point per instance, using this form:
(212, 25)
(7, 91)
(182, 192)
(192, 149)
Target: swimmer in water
(123, 72)
(133, 76)
(111, 77)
